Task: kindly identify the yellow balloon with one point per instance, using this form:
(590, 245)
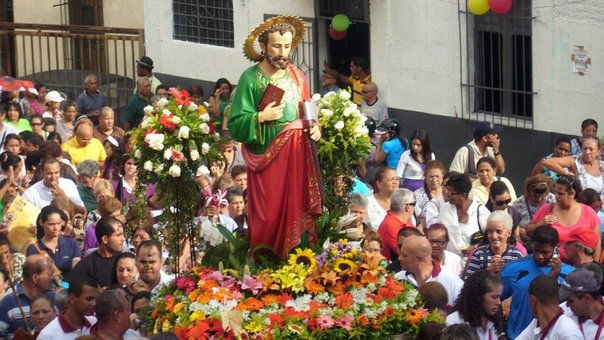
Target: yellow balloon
(478, 7)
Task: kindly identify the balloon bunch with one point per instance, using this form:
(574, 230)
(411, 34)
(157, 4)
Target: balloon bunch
(339, 27)
(480, 7)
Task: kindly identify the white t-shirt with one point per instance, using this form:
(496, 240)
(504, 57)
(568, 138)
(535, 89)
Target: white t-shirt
(460, 234)
(375, 213)
(564, 329)
(409, 167)
(451, 282)
(59, 329)
(453, 263)
(41, 196)
(490, 333)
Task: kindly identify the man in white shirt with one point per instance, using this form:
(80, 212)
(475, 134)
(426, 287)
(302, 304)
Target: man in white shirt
(550, 322)
(43, 192)
(149, 262)
(78, 319)
(415, 257)
(581, 291)
(485, 144)
(438, 236)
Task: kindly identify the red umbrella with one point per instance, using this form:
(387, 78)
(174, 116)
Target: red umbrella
(14, 84)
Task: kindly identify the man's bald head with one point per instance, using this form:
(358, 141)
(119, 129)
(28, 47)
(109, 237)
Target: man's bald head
(371, 87)
(34, 264)
(418, 246)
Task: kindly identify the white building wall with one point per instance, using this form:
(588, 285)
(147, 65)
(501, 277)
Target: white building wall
(415, 54)
(565, 98)
(208, 62)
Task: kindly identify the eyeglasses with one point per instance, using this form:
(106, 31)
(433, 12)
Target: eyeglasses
(451, 193)
(36, 124)
(506, 202)
(411, 204)
(366, 91)
(539, 192)
(393, 179)
(438, 242)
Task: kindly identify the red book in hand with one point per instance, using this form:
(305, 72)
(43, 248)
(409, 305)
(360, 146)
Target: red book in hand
(271, 94)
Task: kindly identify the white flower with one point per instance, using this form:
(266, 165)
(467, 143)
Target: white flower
(138, 154)
(205, 148)
(194, 155)
(315, 97)
(148, 166)
(192, 107)
(204, 128)
(339, 125)
(159, 169)
(145, 122)
(216, 136)
(176, 120)
(202, 170)
(326, 112)
(174, 171)
(345, 95)
(162, 102)
(363, 119)
(148, 109)
(183, 132)
(168, 154)
(211, 234)
(205, 117)
(180, 107)
(329, 95)
(352, 109)
(166, 112)
(155, 141)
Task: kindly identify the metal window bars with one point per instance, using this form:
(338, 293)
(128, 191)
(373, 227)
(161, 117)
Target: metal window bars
(204, 21)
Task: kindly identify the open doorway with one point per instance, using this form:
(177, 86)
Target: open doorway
(356, 43)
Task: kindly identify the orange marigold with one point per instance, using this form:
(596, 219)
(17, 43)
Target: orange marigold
(254, 304)
(414, 316)
(313, 285)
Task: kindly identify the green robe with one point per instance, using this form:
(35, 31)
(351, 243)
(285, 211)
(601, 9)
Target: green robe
(243, 117)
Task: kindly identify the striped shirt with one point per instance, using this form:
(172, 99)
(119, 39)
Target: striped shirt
(483, 256)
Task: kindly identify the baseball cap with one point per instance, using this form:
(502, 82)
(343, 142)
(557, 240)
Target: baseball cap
(146, 61)
(584, 235)
(578, 281)
(486, 128)
(53, 96)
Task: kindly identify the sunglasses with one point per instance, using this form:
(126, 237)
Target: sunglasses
(411, 204)
(36, 124)
(506, 202)
(539, 191)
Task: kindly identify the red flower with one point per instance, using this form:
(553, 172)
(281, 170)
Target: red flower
(276, 319)
(182, 97)
(166, 121)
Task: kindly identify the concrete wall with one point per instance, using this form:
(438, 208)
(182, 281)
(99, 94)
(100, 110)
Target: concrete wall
(209, 62)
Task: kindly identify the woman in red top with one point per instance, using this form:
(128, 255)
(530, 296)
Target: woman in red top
(566, 214)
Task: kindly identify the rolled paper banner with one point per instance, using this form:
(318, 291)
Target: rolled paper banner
(340, 22)
(478, 7)
(335, 35)
(500, 6)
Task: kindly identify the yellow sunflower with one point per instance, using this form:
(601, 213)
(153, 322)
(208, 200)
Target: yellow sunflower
(305, 257)
(343, 265)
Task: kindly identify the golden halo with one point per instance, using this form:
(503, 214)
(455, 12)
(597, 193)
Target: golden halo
(249, 50)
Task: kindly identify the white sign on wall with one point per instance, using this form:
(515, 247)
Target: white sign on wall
(580, 60)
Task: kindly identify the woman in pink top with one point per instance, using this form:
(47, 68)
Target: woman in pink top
(566, 214)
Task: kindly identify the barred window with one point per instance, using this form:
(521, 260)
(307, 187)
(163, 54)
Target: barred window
(204, 21)
(500, 65)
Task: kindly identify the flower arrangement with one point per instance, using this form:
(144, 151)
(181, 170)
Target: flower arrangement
(344, 143)
(175, 142)
(339, 293)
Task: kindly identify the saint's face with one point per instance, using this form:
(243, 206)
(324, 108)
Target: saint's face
(278, 48)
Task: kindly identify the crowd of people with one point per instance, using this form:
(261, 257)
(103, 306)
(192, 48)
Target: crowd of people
(496, 262)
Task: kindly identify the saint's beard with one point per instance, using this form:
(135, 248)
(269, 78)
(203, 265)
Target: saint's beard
(278, 62)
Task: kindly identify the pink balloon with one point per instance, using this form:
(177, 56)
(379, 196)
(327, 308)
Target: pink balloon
(500, 6)
(335, 35)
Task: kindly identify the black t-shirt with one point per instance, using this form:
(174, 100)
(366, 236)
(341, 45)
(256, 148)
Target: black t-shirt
(97, 267)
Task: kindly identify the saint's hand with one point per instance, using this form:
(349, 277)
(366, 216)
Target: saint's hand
(271, 112)
(315, 132)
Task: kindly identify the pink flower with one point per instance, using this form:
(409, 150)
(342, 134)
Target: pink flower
(325, 322)
(177, 156)
(345, 322)
(249, 283)
(185, 283)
